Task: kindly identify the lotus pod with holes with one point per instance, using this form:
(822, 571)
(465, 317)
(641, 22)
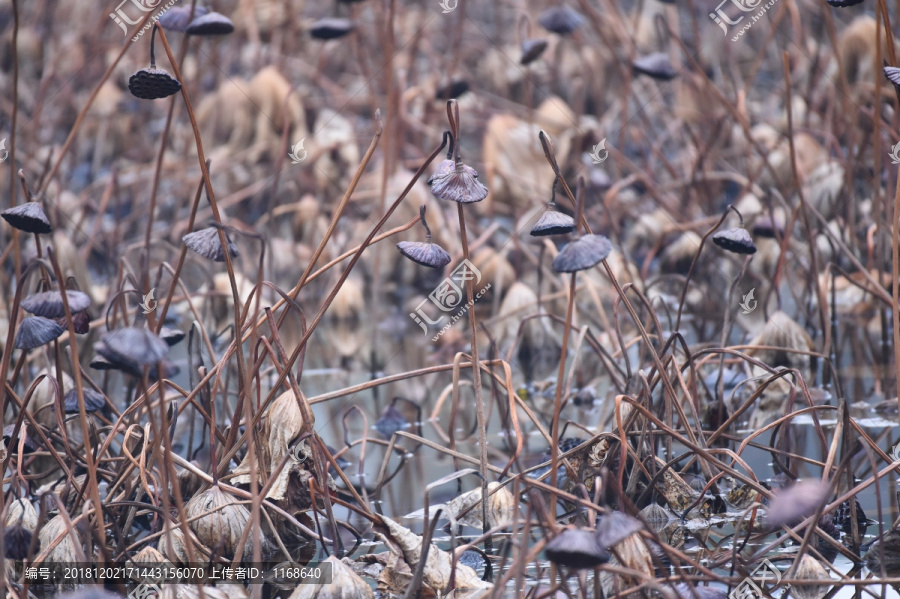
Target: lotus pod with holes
(345, 583)
(438, 563)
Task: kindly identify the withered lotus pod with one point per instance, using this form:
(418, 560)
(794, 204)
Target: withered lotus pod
(80, 320)
(35, 331)
(391, 421)
(735, 240)
(65, 550)
(427, 254)
(656, 65)
(213, 23)
(330, 28)
(764, 226)
(171, 336)
(560, 19)
(152, 84)
(93, 400)
(655, 516)
(585, 252)
(615, 527)
(454, 89)
(21, 512)
(49, 304)
(179, 17)
(811, 569)
(893, 75)
(685, 590)
(457, 182)
(532, 50)
(843, 3)
(884, 553)
(132, 346)
(576, 548)
(206, 243)
(28, 217)
(344, 583)
(553, 222)
(223, 527)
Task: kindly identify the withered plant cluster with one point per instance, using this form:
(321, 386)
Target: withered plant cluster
(644, 343)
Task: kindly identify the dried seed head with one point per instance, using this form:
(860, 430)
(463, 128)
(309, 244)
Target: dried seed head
(152, 83)
(81, 321)
(655, 516)
(735, 240)
(585, 252)
(171, 336)
(29, 446)
(532, 50)
(65, 551)
(179, 17)
(454, 89)
(553, 222)
(634, 555)
(172, 544)
(132, 347)
(811, 569)
(796, 503)
(764, 226)
(210, 24)
(656, 65)
(843, 3)
(892, 74)
(330, 28)
(884, 553)
(576, 548)
(148, 555)
(221, 528)
(560, 19)
(93, 400)
(28, 217)
(426, 254)
(21, 512)
(206, 243)
(35, 331)
(457, 182)
(49, 304)
(615, 527)
(344, 583)
(391, 421)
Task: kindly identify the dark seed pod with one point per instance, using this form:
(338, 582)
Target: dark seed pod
(532, 50)
(98, 362)
(152, 84)
(454, 89)
(171, 336)
(735, 240)
(764, 226)
(330, 28)
(179, 17)
(35, 331)
(884, 553)
(892, 74)
(843, 3)
(17, 540)
(390, 422)
(458, 183)
(28, 217)
(553, 222)
(93, 401)
(129, 346)
(656, 65)
(426, 254)
(213, 23)
(655, 516)
(49, 304)
(81, 321)
(585, 252)
(206, 243)
(615, 527)
(576, 548)
(29, 445)
(560, 19)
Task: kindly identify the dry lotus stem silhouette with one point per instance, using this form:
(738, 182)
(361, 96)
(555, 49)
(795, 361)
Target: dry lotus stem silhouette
(427, 254)
(152, 83)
